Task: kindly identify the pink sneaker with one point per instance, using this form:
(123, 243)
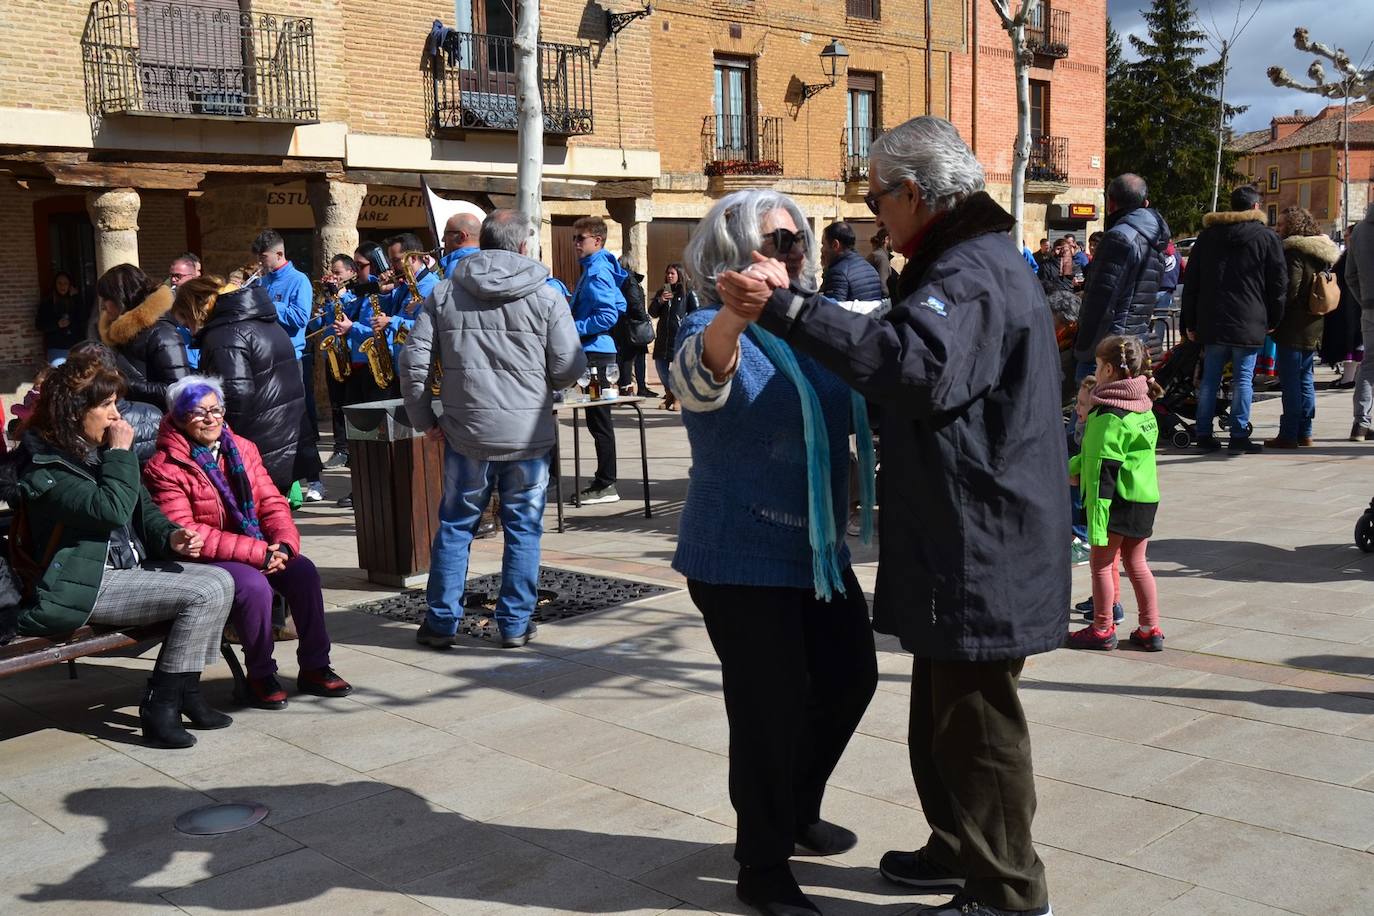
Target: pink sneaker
(1152, 641)
(1090, 638)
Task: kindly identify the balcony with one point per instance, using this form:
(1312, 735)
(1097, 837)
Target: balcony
(1048, 166)
(741, 145)
(175, 59)
(854, 144)
(1048, 38)
(472, 86)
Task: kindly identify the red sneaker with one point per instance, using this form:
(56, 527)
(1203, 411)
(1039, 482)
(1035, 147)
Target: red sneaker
(1152, 641)
(323, 682)
(1090, 638)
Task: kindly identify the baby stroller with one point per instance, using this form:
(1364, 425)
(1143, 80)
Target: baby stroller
(1177, 372)
(1364, 530)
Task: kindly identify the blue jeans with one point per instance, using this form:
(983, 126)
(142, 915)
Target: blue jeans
(1214, 360)
(1299, 392)
(468, 483)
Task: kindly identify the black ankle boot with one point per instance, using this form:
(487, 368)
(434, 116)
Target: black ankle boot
(773, 891)
(194, 707)
(160, 713)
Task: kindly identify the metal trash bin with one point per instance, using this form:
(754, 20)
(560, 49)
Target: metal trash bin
(398, 478)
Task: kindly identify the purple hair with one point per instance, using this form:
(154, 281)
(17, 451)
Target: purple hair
(185, 395)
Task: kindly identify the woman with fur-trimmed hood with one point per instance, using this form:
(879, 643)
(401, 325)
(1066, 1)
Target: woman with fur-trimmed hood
(135, 322)
(1299, 333)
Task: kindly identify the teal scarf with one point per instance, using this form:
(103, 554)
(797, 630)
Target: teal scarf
(826, 574)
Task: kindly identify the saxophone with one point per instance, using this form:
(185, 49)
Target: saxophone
(436, 375)
(335, 348)
(378, 353)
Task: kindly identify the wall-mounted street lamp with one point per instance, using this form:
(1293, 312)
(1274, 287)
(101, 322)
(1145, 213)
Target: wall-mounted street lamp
(616, 22)
(834, 64)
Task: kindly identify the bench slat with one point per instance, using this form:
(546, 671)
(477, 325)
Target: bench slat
(32, 652)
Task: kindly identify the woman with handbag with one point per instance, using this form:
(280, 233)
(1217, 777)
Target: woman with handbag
(673, 303)
(214, 483)
(633, 335)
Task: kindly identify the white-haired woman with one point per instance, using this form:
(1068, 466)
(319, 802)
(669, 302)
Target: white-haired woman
(973, 571)
(762, 546)
(213, 483)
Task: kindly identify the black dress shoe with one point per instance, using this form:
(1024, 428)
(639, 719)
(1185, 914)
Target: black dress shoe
(773, 891)
(487, 529)
(825, 839)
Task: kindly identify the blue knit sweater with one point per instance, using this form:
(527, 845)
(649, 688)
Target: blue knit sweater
(745, 520)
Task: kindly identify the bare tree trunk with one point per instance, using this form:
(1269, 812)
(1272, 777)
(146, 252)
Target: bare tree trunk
(530, 112)
(1022, 58)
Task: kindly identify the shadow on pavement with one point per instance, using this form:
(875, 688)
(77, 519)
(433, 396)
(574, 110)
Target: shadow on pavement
(1356, 703)
(1250, 561)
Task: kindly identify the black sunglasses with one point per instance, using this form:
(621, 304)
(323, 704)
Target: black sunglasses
(784, 240)
(873, 198)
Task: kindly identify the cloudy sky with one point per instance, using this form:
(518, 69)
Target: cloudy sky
(1268, 40)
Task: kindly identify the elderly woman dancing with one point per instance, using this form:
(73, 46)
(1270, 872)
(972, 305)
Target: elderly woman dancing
(214, 483)
(762, 546)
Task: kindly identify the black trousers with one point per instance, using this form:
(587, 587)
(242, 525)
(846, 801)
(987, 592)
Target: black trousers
(633, 367)
(601, 425)
(307, 466)
(798, 674)
(971, 759)
(356, 388)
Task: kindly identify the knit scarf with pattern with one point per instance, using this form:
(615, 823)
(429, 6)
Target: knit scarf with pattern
(237, 490)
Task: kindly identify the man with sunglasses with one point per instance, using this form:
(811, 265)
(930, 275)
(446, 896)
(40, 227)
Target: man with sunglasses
(597, 304)
(848, 277)
(973, 572)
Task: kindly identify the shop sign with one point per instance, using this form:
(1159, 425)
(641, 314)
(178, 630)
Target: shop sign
(1083, 211)
(383, 208)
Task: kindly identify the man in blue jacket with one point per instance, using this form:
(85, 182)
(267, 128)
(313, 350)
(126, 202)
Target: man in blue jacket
(404, 250)
(597, 305)
(461, 235)
(294, 297)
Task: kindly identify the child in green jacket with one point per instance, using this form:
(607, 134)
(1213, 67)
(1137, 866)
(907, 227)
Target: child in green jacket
(1116, 467)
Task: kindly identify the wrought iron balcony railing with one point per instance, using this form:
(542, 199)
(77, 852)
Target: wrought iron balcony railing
(168, 57)
(473, 86)
(1047, 32)
(1049, 160)
(741, 145)
(854, 143)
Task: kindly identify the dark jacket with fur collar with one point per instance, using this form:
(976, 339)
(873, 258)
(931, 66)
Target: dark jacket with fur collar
(148, 348)
(1304, 256)
(964, 371)
(1234, 290)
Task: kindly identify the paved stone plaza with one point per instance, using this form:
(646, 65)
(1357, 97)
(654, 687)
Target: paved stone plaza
(1231, 774)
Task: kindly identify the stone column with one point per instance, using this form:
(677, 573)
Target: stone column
(230, 217)
(336, 205)
(634, 215)
(115, 216)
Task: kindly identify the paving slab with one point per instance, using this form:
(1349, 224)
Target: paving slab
(1297, 752)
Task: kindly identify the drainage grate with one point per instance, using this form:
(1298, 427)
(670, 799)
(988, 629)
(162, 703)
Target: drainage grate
(562, 594)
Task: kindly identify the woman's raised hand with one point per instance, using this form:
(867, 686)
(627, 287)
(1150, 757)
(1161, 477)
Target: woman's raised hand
(120, 434)
(746, 292)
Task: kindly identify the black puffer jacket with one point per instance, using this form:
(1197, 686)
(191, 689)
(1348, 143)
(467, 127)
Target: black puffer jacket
(964, 371)
(1234, 289)
(850, 278)
(145, 419)
(670, 315)
(264, 398)
(1121, 289)
(148, 348)
(1299, 329)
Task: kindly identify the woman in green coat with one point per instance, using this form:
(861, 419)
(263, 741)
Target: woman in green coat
(108, 554)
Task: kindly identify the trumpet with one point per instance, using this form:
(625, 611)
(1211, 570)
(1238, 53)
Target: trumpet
(378, 353)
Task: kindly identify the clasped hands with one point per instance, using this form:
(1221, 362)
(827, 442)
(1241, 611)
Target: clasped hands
(744, 293)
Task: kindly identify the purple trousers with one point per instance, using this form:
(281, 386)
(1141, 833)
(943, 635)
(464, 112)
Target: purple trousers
(251, 614)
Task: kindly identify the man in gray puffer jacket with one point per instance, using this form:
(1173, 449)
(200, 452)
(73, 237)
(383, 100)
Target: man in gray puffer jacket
(505, 341)
(1359, 275)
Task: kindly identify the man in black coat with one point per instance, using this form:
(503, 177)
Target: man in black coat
(973, 571)
(1121, 289)
(848, 277)
(1232, 297)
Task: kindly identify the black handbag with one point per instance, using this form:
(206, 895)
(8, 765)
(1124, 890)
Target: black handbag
(640, 332)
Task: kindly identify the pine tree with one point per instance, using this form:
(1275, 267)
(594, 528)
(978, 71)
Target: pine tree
(1162, 113)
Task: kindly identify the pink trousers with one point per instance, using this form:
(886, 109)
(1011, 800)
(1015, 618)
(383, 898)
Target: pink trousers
(1107, 581)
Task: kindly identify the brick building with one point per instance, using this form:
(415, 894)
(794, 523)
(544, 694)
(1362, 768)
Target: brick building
(131, 130)
(1298, 161)
(1065, 181)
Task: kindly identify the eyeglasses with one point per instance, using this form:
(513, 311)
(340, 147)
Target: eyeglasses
(202, 415)
(873, 198)
(784, 240)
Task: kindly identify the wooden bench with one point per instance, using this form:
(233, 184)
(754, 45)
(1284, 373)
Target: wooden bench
(29, 653)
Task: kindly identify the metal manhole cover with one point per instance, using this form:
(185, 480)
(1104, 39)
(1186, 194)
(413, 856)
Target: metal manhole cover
(213, 820)
(563, 593)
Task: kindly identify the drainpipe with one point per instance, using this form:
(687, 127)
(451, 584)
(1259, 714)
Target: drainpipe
(973, 58)
(927, 14)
